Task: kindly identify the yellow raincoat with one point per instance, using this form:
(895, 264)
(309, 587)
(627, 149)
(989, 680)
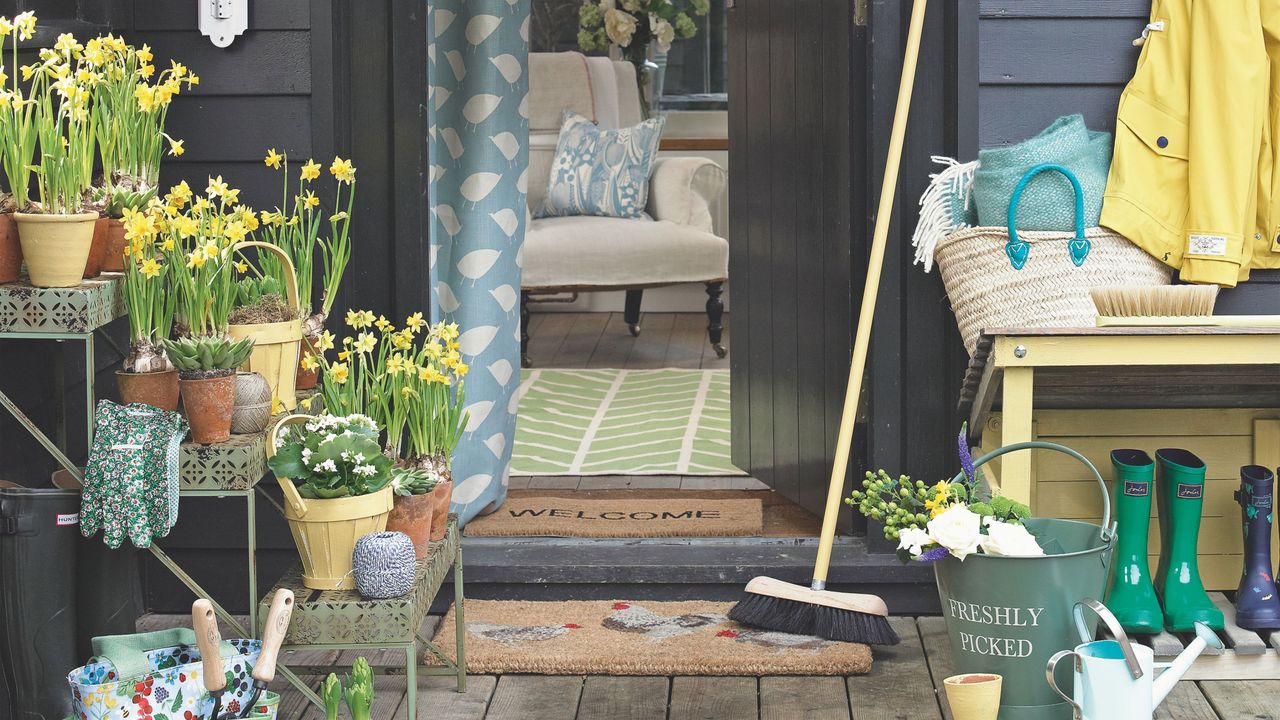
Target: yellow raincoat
(1195, 179)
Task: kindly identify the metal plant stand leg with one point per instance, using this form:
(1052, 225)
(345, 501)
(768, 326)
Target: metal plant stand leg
(411, 679)
(461, 625)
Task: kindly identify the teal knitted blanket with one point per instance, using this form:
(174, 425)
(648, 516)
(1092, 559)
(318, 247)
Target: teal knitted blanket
(1048, 202)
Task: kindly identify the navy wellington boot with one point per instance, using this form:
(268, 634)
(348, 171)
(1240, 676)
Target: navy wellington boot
(1257, 602)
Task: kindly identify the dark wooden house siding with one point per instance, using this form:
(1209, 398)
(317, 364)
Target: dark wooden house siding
(1041, 59)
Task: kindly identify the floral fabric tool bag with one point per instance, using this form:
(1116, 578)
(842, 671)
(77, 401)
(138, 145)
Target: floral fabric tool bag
(1001, 277)
(157, 675)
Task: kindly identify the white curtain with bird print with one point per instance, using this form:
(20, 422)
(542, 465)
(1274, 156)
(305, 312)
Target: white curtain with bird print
(478, 58)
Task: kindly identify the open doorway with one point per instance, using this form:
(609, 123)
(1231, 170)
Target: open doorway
(626, 393)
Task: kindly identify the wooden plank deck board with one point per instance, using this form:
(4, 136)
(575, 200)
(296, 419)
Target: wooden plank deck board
(937, 650)
(522, 697)
(438, 699)
(1185, 702)
(803, 698)
(624, 698)
(581, 342)
(1243, 699)
(615, 344)
(1244, 642)
(898, 686)
(688, 336)
(650, 350)
(726, 698)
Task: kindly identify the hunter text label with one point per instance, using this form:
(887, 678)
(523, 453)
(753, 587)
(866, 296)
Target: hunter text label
(995, 617)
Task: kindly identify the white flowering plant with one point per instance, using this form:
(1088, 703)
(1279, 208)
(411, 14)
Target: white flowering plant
(333, 457)
(953, 517)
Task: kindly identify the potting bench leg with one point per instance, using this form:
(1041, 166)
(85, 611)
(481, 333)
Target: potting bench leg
(460, 631)
(1015, 468)
(90, 391)
(411, 678)
(252, 514)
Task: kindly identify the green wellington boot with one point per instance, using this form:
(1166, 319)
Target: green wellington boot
(1131, 596)
(1180, 495)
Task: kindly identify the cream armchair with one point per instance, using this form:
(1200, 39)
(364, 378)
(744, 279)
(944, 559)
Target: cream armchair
(674, 245)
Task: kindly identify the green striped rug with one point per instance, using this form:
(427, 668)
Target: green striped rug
(623, 422)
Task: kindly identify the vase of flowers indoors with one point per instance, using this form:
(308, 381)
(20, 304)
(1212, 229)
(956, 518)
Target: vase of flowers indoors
(54, 117)
(296, 228)
(414, 507)
(131, 102)
(207, 380)
(337, 488)
(148, 376)
(410, 381)
(633, 26)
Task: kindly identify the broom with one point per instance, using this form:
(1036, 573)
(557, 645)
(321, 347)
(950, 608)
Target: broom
(786, 607)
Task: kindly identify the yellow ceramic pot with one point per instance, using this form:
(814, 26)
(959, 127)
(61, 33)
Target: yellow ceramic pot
(56, 247)
(974, 696)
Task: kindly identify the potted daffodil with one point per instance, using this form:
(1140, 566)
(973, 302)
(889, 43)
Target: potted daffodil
(17, 141)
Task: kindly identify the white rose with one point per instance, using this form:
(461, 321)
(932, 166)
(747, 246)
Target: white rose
(619, 26)
(913, 540)
(662, 31)
(958, 529)
(1010, 540)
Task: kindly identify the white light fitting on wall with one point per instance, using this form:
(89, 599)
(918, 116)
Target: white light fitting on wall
(222, 20)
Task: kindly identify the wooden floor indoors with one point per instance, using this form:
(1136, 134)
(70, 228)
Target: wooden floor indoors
(602, 340)
(904, 684)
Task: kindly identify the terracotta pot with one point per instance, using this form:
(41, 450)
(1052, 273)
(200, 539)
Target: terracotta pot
(97, 249)
(209, 403)
(307, 379)
(442, 495)
(113, 257)
(157, 389)
(56, 247)
(10, 249)
(413, 515)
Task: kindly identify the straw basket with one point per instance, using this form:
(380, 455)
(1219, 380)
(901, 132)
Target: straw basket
(1000, 278)
(275, 345)
(326, 531)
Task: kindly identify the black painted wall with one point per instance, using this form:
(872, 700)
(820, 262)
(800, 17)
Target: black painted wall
(315, 78)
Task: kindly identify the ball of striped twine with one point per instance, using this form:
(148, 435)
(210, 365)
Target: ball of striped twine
(384, 565)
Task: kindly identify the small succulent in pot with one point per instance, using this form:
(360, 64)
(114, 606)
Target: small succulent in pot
(410, 481)
(207, 356)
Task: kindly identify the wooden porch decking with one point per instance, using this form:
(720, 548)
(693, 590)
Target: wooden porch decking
(602, 340)
(904, 684)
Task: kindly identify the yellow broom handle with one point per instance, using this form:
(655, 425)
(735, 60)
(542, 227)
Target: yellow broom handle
(862, 338)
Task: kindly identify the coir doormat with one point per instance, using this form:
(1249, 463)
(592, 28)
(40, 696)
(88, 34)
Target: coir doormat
(602, 637)
(620, 517)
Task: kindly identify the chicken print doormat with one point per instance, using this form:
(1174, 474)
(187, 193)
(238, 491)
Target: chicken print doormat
(602, 637)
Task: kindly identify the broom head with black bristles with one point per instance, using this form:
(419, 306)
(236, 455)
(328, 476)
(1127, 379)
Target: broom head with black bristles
(785, 607)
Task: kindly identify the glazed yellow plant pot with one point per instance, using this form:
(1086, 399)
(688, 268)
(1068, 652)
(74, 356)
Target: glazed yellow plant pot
(56, 247)
(974, 696)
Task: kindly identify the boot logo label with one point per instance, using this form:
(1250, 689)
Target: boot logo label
(1194, 492)
(68, 519)
(1261, 501)
(1136, 489)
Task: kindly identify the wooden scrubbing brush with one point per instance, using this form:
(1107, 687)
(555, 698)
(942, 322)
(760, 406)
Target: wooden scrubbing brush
(1168, 306)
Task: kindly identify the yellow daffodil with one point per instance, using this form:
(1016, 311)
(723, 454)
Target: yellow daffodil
(305, 404)
(216, 187)
(403, 340)
(325, 341)
(309, 363)
(344, 355)
(186, 226)
(167, 245)
(382, 324)
(365, 343)
(343, 170)
(338, 372)
(144, 54)
(149, 268)
(195, 260)
(415, 322)
(177, 68)
(407, 392)
(6, 27)
(146, 71)
(310, 171)
(396, 364)
(273, 158)
(144, 94)
(26, 25)
(336, 217)
(235, 231)
(175, 148)
(242, 267)
(231, 196)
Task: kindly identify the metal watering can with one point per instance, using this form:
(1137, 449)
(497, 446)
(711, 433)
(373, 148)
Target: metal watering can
(1115, 679)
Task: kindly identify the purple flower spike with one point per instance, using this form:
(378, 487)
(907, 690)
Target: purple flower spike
(966, 458)
(933, 555)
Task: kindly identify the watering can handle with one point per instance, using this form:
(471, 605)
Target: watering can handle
(1076, 712)
(1113, 625)
(1108, 532)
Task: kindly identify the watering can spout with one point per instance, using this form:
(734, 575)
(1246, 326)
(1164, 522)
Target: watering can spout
(1174, 671)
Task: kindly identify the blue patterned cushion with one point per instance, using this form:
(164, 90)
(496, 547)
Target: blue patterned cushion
(601, 172)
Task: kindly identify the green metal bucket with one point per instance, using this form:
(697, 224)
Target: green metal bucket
(1008, 615)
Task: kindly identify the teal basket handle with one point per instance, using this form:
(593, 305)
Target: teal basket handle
(1108, 532)
(1018, 249)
